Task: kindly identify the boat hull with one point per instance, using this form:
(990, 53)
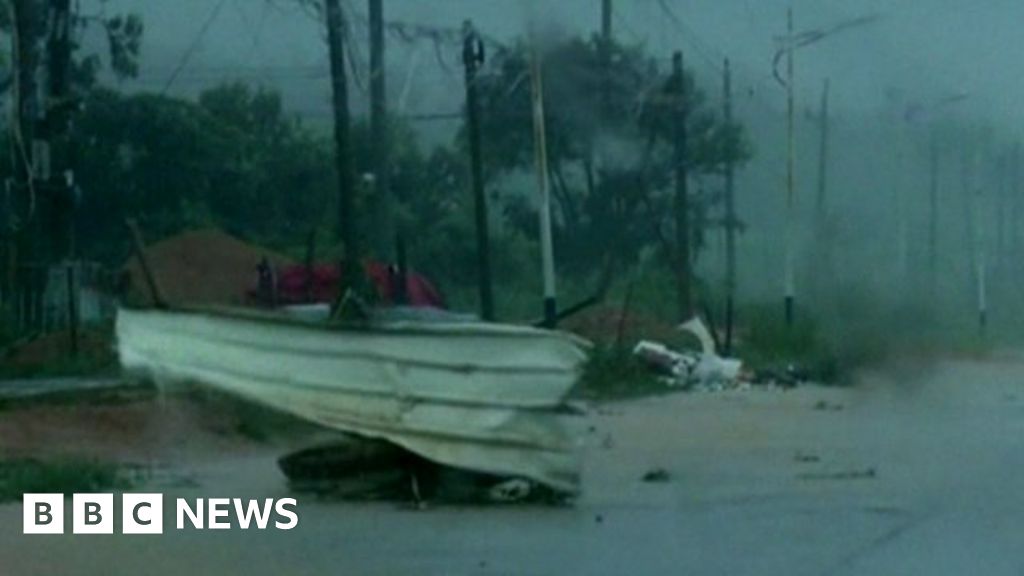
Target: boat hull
(483, 397)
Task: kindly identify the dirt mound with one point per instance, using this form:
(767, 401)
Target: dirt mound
(200, 267)
(602, 324)
(50, 350)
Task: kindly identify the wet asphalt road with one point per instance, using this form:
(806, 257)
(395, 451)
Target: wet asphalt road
(915, 472)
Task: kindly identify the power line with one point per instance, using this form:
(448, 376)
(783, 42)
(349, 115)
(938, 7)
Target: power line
(702, 48)
(195, 45)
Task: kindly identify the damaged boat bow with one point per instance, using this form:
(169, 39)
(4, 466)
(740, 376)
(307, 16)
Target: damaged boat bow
(484, 397)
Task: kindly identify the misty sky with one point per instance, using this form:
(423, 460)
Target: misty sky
(920, 50)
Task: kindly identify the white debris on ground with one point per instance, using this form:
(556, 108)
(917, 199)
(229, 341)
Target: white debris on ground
(704, 370)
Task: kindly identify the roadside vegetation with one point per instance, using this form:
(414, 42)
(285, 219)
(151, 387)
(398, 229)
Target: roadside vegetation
(65, 475)
(50, 355)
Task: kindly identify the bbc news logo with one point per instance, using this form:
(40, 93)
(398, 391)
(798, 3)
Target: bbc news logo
(144, 514)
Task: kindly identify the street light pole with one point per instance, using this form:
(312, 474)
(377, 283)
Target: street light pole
(790, 282)
(789, 44)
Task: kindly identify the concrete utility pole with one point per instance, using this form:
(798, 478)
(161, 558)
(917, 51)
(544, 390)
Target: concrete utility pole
(606, 20)
(1002, 170)
(790, 44)
(472, 57)
(1015, 205)
(933, 215)
(790, 262)
(682, 199)
(823, 154)
(383, 225)
(544, 186)
(730, 214)
(347, 225)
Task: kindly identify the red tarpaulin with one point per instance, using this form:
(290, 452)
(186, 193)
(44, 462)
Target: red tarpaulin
(297, 284)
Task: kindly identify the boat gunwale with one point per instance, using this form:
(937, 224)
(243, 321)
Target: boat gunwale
(371, 356)
(556, 407)
(464, 329)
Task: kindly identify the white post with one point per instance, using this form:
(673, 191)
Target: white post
(543, 185)
(790, 263)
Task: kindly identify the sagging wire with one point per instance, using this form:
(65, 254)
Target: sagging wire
(187, 55)
(692, 39)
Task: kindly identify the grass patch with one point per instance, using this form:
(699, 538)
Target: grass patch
(109, 396)
(30, 475)
(49, 356)
(770, 345)
(615, 373)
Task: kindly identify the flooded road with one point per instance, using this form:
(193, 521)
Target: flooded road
(916, 472)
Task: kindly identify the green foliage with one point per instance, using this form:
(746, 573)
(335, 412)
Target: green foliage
(233, 159)
(609, 116)
(30, 475)
(124, 38)
(612, 372)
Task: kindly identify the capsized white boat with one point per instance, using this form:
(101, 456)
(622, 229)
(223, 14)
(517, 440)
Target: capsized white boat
(484, 397)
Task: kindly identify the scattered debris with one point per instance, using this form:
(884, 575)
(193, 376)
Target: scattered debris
(656, 475)
(703, 370)
(885, 510)
(509, 491)
(865, 474)
(376, 470)
(789, 377)
(825, 406)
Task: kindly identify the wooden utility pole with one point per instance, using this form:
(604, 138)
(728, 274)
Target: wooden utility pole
(544, 187)
(61, 180)
(347, 231)
(25, 187)
(383, 228)
(1015, 206)
(682, 201)
(823, 154)
(730, 212)
(790, 257)
(472, 57)
(606, 54)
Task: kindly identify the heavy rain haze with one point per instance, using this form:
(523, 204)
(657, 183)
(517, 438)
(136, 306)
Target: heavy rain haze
(591, 287)
(891, 82)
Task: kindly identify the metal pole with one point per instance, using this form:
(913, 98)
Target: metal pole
(730, 214)
(543, 185)
(790, 281)
(473, 56)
